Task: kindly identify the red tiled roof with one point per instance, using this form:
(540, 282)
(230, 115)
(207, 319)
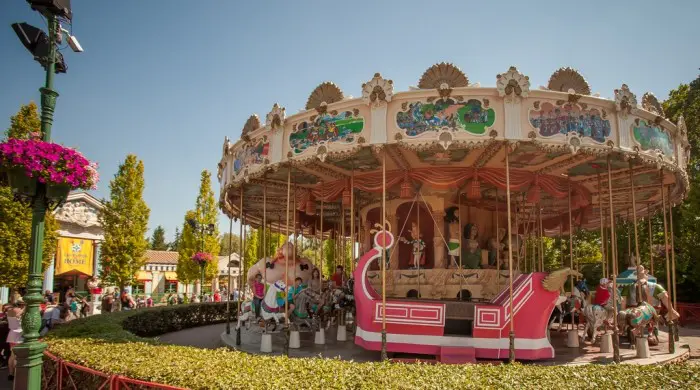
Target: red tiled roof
(161, 257)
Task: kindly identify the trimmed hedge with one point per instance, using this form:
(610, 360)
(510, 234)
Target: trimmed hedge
(102, 343)
(165, 319)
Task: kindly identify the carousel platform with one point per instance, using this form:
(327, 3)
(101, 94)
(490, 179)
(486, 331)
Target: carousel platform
(347, 350)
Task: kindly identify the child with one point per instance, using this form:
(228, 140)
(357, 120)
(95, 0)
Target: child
(293, 292)
(258, 294)
(74, 307)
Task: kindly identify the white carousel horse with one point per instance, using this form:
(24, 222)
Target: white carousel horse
(271, 310)
(596, 315)
(247, 314)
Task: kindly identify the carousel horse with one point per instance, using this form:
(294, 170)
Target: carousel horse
(596, 315)
(271, 311)
(570, 306)
(633, 320)
(307, 305)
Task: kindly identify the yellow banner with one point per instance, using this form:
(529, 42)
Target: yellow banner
(74, 255)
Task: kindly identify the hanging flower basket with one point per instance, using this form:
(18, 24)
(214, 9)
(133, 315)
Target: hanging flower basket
(201, 258)
(61, 169)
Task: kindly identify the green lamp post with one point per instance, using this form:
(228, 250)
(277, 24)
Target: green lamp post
(41, 196)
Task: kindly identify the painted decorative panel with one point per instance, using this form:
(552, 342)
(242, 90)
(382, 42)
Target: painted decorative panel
(527, 154)
(472, 116)
(652, 137)
(597, 166)
(254, 153)
(326, 128)
(438, 157)
(551, 120)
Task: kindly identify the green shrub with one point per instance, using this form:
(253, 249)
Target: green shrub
(101, 343)
(156, 321)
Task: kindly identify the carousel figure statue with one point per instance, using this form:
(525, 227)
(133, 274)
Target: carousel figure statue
(418, 247)
(496, 246)
(453, 246)
(472, 257)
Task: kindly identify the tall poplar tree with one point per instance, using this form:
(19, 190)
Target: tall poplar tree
(157, 241)
(251, 247)
(16, 217)
(195, 240)
(124, 218)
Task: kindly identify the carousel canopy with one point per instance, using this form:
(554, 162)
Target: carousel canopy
(451, 139)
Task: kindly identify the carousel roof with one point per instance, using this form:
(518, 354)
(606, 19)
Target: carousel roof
(449, 139)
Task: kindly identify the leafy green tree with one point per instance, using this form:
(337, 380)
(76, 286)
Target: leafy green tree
(174, 245)
(124, 218)
(251, 247)
(16, 218)
(25, 122)
(229, 243)
(196, 240)
(158, 239)
(685, 100)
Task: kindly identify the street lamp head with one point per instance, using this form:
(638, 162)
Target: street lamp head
(58, 8)
(37, 42)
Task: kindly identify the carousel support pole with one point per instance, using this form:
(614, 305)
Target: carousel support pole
(383, 264)
(613, 276)
(634, 217)
(459, 219)
(511, 335)
(498, 252)
(320, 247)
(517, 234)
(673, 264)
(228, 301)
(352, 220)
(264, 225)
(572, 336)
(671, 337)
(241, 268)
(651, 250)
(602, 231)
(418, 224)
(286, 263)
(541, 232)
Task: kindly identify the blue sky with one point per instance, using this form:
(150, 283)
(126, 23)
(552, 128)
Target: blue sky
(167, 80)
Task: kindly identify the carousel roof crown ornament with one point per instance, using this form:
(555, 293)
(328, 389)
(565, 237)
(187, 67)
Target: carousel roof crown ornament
(252, 124)
(564, 79)
(651, 104)
(378, 90)
(443, 77)
(625, 100)
(512, 83)
(323, 95)
(275, 118)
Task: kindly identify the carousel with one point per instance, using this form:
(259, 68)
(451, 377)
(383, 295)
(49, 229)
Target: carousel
(434, 190)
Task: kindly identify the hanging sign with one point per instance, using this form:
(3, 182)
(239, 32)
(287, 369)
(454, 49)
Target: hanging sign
(74, 255)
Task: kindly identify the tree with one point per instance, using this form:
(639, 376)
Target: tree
(15, 217)
(175, 243)
(685, 100)
(225, 240)
(158, 239)
(195, 240)
(251, 247)
(124, 219)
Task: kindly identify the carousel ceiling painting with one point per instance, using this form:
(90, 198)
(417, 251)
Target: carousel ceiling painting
(448, 142)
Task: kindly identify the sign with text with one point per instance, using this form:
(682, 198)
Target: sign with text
(74, 255)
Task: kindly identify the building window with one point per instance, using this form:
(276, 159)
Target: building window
(171, 286)
(139, 288)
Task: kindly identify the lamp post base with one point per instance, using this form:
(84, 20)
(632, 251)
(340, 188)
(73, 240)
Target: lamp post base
(29, 365)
